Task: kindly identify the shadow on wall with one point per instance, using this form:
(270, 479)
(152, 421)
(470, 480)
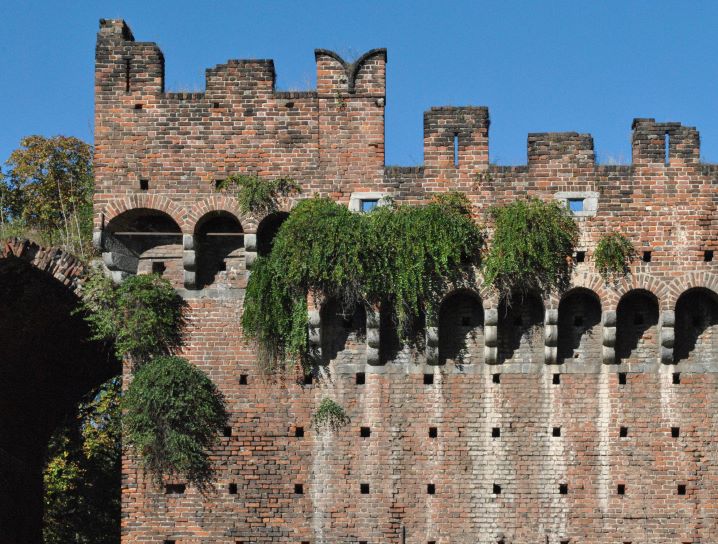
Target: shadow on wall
(343, 331)
(637, 327)
(219, 240)
(461, 329)
(521, 329)
(696, 326)
(579, 327)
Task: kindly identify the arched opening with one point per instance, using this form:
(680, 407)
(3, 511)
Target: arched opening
(579, 327)
(219, 246)
(48, 363)
(461, 329)
(637, 327)
(343, 333)
(393, 348)
(145, 241)
(696, 326)
(267, 231)
(521, 330)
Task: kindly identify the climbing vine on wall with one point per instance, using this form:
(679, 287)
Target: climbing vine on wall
(403, 255)
(531, 248)
(172, 410)
(256, 195)
(613, 255)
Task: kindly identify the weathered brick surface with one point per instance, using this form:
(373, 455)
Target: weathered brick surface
(527, 398)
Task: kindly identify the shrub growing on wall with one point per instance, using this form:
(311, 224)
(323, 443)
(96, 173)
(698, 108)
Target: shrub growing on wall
(173, 413)
(403, 255)
(613, 255)
(259, 196)
(531, 248)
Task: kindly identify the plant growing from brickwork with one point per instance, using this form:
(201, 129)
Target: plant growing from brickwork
(259, 196)
(173, 413)
(531, 247)
(403, 255)
(143, 316)
(329, 416)
(613, 255)
(172, 410)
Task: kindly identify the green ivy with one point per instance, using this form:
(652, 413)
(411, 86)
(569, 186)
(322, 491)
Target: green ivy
(329, 416)
(259, 196)
(532, 247)
(143, 315)
(613, 255)
(173, 413)
(404, 256)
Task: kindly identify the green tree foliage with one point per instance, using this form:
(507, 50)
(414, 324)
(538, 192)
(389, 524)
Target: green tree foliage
(173, 413)
(259, 196)
(613, 255)
(532, 247)
(402, 255)
(143, 316)
(47, 192)
(82, 475)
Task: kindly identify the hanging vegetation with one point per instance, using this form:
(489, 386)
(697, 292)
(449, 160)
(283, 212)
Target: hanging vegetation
(403, 255)
(329, 416)
(143, 315)
(256, 195)
(613, 255)
(173, 412)
(531, 248)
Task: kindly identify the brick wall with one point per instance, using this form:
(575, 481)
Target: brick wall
(524, 419)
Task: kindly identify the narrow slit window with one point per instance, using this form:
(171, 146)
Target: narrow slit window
(456, 150)
(127, 75)
(667, 148)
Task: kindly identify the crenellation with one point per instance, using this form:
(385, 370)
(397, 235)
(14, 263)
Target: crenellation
(483, 364)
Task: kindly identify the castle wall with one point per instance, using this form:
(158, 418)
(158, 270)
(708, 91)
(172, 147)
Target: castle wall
(526, 403)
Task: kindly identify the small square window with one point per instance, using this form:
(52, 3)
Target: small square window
(676, 378)
(365, 432)
(575, 204)
(563, 489)
(430, 489)
(495, 432)
(623, 432)
(227, 432)
(299, 432)
(299, 489)
(433, 432)
(158, 267)
(681, 489)
(232, 489)
(497, 489)
(428, 379)
(580, 256)
(308, 379)
(368, 205)
(647, 256)
(364, 489)
(708, 255)
(675, 432)
(622, 378)
(360, 378)
(556, 431)
(242, 379)
(496, 378)
(556, 380)
(144, 184)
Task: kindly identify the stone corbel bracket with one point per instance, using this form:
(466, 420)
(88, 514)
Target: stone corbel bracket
(491, 336)
(250, 250)
(668, 323)
(551, 336)
(189, 261)
(315, 333)
(432, 345)
(372, 336)
(609, 337)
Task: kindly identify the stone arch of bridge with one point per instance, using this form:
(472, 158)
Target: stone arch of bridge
(48, 363)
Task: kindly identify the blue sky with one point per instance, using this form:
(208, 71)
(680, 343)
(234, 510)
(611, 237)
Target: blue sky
(538, 65)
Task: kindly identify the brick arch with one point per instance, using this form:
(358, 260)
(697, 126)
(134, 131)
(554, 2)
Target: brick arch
(641, 281)
(688, 281)
(220, 203)
(160, 203)
(62, 266)
(586, 280)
